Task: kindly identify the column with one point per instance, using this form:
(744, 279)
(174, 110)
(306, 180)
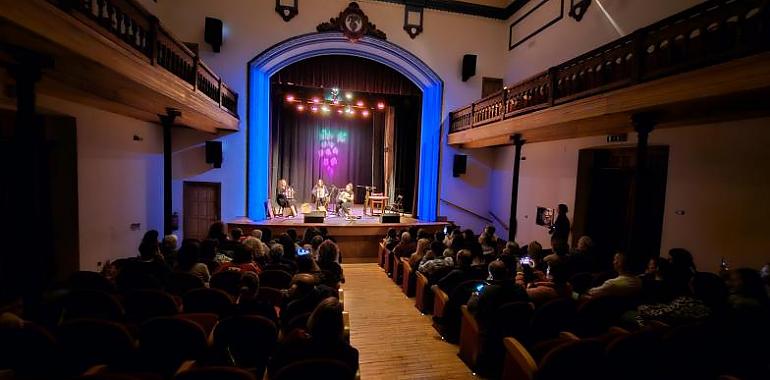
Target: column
(167, 121)
(512, 224)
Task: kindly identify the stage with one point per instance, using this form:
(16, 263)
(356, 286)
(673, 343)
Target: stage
(358, 239)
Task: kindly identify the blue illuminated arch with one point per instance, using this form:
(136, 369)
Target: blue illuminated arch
(272, 60)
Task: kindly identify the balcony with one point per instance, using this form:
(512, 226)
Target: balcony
(114, 55)
(708, 63)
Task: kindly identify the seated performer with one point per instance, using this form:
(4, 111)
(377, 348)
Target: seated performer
(320, 195)
(345, 200)
(285, 197)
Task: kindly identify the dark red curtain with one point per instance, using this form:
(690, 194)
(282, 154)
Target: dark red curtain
(347, 73)
(336, 148)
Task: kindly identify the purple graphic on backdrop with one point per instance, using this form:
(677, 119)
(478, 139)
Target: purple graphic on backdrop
(328, 152)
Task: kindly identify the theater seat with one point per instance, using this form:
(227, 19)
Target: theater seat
(206, 300)
(423, 296)
(246, 340)
(273, 278)
(216, 373)
(165, 343)
(142, 305)
(316, 368)
(89, 342)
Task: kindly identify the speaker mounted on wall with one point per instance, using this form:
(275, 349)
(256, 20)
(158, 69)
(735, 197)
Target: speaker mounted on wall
(214, 153)
(459, 165)
(469, 66)
(213, 33)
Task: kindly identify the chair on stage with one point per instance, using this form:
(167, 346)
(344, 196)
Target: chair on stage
(377, 201)
(397, 206)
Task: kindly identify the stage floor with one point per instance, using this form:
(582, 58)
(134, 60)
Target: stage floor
(358, 238)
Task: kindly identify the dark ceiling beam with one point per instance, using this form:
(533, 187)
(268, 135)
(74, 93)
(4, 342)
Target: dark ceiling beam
(465, 7)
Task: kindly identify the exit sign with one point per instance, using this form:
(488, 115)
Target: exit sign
(623, 137)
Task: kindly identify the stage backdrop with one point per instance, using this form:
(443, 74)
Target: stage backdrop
(336, 148)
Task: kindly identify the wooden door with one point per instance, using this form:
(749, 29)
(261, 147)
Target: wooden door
(201, 208)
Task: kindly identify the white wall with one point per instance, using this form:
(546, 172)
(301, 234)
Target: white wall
(253, 26)
(713, 176)
(568, 38)
(120, 181)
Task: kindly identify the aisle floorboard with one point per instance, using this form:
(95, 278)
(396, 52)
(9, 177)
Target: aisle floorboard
(394, 340)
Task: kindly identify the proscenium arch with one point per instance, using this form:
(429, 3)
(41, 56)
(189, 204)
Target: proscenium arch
(272, 60)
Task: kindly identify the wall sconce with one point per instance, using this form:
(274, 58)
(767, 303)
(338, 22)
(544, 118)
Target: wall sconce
(287, 9)
(413, 20)
(578, 8)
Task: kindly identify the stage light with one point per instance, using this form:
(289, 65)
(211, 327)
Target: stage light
(348, 95)
(300, 108)
(336, 101)
(335, 90)
(380, 105)
(360, 103)
(289, 98)
(325, 108)
(315, 99)
(314, 109)
(339, 111)
(365, 113)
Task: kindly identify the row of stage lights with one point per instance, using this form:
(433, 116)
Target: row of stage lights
(316, 104)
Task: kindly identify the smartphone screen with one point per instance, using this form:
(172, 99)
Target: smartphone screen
(479, 287)
(302, 252)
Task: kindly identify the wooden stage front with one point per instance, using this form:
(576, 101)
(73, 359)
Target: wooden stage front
(358, 239)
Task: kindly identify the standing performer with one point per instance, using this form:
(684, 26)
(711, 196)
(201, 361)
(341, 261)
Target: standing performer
(320, 195)
(285, 197)
(345, 200)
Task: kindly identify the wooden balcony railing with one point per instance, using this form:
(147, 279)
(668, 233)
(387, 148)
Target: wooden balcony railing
(130, 25)
(709, 33)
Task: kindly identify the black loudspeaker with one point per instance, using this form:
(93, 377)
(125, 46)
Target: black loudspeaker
(214, 153)
(213, 33)
(459, 164)
(390, 218)
(469, 66)
(314, 217)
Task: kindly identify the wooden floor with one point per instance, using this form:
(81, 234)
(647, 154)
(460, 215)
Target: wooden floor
(394, 340)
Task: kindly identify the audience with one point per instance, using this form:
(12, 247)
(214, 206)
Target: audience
(423, 245)
(747, 291)
(462, 272)
(276, 261)
(208, 254)
(331, 270)
(684, 307)
(626, 284)
(323, 339)
(391, 239)
(168, 249)
(243, 260)
(405, 246)
(189, 261)
(498, 291)
(554, 286)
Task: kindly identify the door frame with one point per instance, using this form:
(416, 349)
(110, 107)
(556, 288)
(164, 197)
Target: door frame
(186, 185)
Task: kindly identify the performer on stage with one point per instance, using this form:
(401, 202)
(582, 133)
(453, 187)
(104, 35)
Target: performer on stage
(320, 195)
(285, 197)
(345, 200)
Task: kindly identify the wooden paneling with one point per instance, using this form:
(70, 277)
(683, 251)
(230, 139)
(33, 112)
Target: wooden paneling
(202, 202)
(394, 340)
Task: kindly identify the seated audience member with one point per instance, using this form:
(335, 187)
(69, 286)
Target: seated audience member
(535, 251)
(405, 246)
(684, 307)
(236, 235)
(654, 287)
(323, 339)
(488, 242)
(217, 232)
(303, 296)
(747, 291)
(316, 242)
(681, 258)
(247, 301)
(149, 262)
(391, 239)
(559, 255)
(331, 270)
(439, 237)
(256, 248)
(11, 311)
(242, 261)
(456, 242)
(276, 261)
(527, 272)
(423, 245)
(462, 272)
(168, 249)
(289, 246)
(208, 254)
(306, 264)
(498, 291)
(441, 264)
(189, 261)
(626, 284)
(582, 258)
(310, 233)
(555, 286)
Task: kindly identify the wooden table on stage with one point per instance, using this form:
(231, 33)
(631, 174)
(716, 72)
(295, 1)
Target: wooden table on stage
(380, 200)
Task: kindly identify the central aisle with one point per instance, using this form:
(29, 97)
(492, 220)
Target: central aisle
(394, 340)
